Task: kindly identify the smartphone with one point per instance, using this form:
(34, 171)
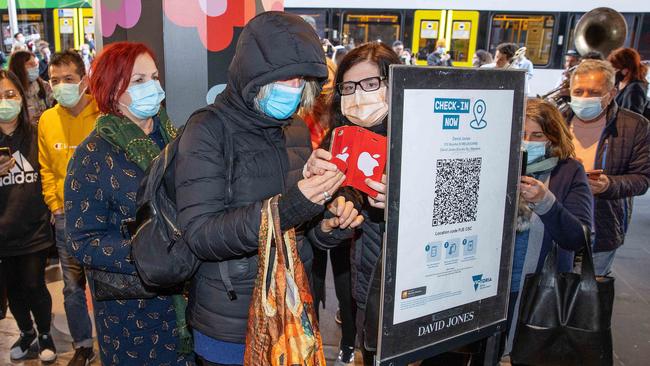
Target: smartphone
(5, 151)
(524, 161)
(594, 174)
(360, 154)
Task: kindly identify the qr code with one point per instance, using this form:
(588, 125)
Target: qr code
(456, 191)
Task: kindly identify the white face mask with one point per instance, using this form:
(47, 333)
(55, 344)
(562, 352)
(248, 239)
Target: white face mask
(365, 109)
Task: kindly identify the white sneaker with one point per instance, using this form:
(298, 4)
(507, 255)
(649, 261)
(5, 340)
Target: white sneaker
(47, 351)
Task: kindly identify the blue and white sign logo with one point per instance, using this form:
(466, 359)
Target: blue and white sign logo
(480, 281)
(478, 123)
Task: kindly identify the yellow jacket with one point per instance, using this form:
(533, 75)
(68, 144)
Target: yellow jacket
(59, 133)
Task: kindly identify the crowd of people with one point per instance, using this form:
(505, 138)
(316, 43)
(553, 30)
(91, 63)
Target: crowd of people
(78, 145)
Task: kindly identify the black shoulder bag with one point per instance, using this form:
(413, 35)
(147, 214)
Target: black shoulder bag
(565, 318)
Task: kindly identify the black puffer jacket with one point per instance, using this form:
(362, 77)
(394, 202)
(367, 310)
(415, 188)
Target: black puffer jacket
(230, 161)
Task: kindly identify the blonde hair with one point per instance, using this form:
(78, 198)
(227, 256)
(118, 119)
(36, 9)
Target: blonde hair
(309, 94)
(590, 66)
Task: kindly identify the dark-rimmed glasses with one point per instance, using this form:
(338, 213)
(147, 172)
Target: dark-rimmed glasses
(367, 84)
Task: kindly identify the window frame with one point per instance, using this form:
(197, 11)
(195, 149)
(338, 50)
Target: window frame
(371, 12)
(554, 38)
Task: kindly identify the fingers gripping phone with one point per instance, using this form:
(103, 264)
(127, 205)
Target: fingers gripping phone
(594, 174)
(5, 153)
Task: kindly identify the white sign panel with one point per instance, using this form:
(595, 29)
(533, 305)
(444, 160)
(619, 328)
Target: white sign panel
(453, 183)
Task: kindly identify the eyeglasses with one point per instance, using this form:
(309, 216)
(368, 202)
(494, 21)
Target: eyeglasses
(9, 94)
(367, 84)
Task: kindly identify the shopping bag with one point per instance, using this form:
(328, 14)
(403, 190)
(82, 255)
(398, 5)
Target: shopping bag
(565, 318)
(282, 325)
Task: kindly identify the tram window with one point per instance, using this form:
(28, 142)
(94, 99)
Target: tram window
(429, 34)
(644, 40)
(535, 31)
(460, 36)
(362, 28)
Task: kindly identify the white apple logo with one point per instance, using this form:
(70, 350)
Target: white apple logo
(367, 163)
(344, 155)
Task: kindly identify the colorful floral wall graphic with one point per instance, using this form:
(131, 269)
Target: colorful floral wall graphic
(215, 20)
(124, 13)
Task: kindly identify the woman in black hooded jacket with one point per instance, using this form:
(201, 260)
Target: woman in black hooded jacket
(233, 155)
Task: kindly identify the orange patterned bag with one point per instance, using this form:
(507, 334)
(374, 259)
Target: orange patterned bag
(282, 326)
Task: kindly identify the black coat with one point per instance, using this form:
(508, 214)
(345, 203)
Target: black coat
(633, 97)
(230, 161)
(624, 154)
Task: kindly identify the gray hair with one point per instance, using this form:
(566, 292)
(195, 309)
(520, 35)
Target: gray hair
(590, 66)
(309, 94)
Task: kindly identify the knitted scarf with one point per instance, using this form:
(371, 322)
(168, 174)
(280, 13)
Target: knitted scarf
(140, 149)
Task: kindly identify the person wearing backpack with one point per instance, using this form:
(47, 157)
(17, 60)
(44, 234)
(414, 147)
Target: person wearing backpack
(134, 327)
(232, 157)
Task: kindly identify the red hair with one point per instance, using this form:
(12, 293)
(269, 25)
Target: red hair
(628, 58)
(110, 73)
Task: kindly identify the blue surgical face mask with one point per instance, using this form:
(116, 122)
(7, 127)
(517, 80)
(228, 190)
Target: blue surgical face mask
(536, 151)
(32, 73)
(145, 99)
(282, 101)
(586, 108)
(9, 110)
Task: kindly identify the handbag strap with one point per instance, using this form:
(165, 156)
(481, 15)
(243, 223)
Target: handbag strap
(588, 278)
(549, 270)
(266, 237)
(588, 273)
(283, 241)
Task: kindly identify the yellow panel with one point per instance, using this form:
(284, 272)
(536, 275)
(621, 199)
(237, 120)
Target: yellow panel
(57, 34)
(428, 20)
(76, 21)
(464, 19)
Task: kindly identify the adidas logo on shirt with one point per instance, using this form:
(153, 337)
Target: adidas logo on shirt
(21, 173)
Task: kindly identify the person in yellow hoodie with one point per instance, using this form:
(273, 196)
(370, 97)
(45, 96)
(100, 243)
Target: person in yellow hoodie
(60, 130)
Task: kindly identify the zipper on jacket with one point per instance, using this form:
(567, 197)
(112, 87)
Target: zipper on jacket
(604, 158)
(277, 155)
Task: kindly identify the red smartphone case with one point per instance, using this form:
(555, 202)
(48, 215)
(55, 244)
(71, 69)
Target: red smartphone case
(360, 154)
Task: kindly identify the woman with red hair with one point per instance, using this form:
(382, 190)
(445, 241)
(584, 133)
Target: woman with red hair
(100, 191)
(630, 75)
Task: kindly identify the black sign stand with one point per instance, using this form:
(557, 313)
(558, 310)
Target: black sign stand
(400, 343)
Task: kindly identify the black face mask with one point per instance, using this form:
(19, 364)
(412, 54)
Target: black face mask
(618, 77)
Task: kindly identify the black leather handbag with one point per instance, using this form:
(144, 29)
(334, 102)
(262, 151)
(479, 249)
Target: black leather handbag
(565, 318)
(118, 286)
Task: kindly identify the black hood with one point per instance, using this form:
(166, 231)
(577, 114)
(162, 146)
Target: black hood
(273, 46)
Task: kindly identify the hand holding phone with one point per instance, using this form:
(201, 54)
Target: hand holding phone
(594, 174)
(6, 161)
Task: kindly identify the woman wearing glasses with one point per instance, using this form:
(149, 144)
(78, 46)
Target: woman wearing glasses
(25, 234)
(360, 99)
